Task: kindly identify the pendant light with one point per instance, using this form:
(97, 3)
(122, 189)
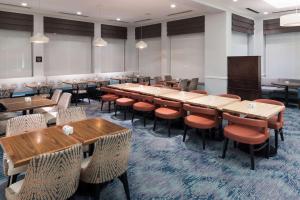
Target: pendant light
(290, 20)
(99, 41)
(39, 38)
(141, 44)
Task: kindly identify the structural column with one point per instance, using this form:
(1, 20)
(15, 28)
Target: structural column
(165, 51)
(38, 49)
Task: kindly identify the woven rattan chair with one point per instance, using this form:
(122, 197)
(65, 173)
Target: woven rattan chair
(55, 97)
(109, 161)
(69, 115)
(16, 126)
(52, 176)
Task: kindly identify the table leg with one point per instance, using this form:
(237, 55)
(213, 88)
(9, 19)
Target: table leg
(24, 112)
(286, 95)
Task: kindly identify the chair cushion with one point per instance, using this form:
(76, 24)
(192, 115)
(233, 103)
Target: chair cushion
(12, 191)
(85, 162)
(245, 134)
(109, 97)
(167, 113)
(143, 106)
(200, 122)
(274, 124)
(125, 102)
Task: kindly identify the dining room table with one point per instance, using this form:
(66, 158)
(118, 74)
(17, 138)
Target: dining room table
(287, 85)
(212, 101)
(180, 96)
(121, 79)
(20, 149)
(38, 86)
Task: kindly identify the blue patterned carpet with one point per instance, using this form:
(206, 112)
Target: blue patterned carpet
(166, 168)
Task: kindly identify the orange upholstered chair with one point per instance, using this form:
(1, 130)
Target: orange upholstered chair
(109, 97)
(232, 96)
(144, 104)
(168, 110)
(200, 92)
(201, 119)
(246, 131)
(125, 101)
(275, 122)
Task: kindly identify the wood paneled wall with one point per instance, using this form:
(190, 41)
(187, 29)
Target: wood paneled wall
(242, 24)
(16, 21)
(244, 76)
(70, 27)
(272, 26)
(150, 31)
(109, 31)
(186, 26)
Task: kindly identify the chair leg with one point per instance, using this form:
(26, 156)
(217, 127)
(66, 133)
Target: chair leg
(185, 132)
(225, 147)
(155, 121)
(169, 128)
(125, 110)
(281, 134)
(267, 149)
(276, 140)
(235, 144)
(203, 139)
(133, 113)
(14, 178)
(251, 148)
(8, 181)
(144, 116)
(109, 105)
(116, 110)
(123, 178)
(102, 102)
(97, 191)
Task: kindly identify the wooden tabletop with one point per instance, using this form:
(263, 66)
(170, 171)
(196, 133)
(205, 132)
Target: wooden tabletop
(120, 78)
(97, 81)
(211, 101)
(74, 82)
(19, 104)
(255, 109)
(150, 90)
(88, 131)
(181, 96)
(37, 85)
(286, 84)
(124, 85)
(20, 149)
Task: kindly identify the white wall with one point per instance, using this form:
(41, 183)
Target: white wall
(283, 55)
(149, 59)
(239, 44)
(187, 56)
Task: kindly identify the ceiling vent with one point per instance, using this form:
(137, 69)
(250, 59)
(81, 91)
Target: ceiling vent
(16, 6)
(284, 11)
(72, 14)
(143, 20)
(180, 13)
(113, 20)
(252, 10)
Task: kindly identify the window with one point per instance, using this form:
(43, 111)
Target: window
(66, 54)
(15, 54)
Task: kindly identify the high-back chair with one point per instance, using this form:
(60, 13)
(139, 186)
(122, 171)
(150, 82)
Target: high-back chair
(16, 126)
(64, 101)
(109, 96)
(125, 102)
(275, 122)
(49, 176)
(168, 78)
(232, 96)
(56, 95)
(6, 92)
(168, 110)
(145, 80)
(69, 115)
(200, 92)
(193, 84)
(45, 90)
(247, 131)
(144, 104)
(201, 119)
(158, 82)
(80, 91)
(109, 161)
(183, 84)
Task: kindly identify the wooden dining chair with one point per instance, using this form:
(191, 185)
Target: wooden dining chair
(16, 126)
(144, 104)
(168, 110)
(109, 161)
(277, 122)
(247, 131)
(200, 118)
(49, 176)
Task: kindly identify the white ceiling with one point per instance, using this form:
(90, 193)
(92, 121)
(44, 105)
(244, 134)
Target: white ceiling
(126, 10)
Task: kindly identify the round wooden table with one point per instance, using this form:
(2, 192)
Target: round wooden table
(286, 85)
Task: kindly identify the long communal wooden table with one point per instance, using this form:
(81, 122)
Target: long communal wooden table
(211, 101)
(150, 90)
(19, 104)
(254, 109)
(20, 149)
(180, 96)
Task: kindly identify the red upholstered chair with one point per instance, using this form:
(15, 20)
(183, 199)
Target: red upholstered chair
(246, 131)
(232, 96)
(109, 97)
(201, 119)
(200, 92)
(144, 104)
(275, 122)
(125, 101)
(168, 110)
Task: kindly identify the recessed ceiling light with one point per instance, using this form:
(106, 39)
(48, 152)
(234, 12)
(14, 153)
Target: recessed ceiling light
(235, 0)
(78, 13)
(118, 19)
(283, 4)
(173, 5)
(266, 13)
(24, 4)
